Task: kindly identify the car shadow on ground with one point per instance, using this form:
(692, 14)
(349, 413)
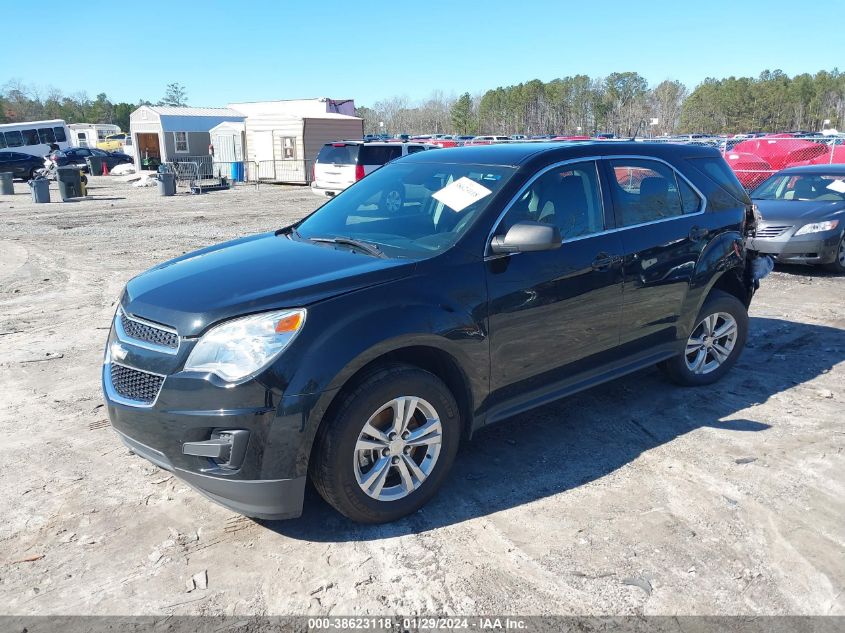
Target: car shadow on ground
(800, 270)
(589, 435)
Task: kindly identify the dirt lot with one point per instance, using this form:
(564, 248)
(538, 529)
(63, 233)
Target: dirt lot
(634, 497)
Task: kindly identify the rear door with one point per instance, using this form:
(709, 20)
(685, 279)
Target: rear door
(335, 166)
(664, 230)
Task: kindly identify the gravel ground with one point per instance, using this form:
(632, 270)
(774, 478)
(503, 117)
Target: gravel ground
(636, 497)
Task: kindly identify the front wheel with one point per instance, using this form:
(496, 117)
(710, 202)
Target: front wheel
(838, 264)
(715, 344)
(388, 446)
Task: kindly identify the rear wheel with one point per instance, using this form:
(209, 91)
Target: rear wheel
(388, 446)
(715, 343)
(33, 173)
(838, 264)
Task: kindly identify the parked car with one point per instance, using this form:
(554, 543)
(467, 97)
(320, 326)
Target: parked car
(78, 155)
(803, 216)
(360, 345)
(445, 140)
(113, 142)
(23, 166)
(487, 140)
(341, 164)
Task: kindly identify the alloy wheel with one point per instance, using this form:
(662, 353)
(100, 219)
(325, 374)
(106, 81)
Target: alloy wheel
(393, 200)
(711, 343)
(398, 448)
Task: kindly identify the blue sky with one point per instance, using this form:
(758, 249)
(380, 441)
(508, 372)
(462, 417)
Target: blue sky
(225, 51)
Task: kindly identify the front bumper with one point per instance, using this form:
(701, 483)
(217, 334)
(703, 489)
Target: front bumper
(261, 499)
(812, 248)
(267, 480)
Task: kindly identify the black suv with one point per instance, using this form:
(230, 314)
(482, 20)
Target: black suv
(360, 345)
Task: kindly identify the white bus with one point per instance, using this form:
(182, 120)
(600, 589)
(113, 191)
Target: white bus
(34, 137)
(89, 134)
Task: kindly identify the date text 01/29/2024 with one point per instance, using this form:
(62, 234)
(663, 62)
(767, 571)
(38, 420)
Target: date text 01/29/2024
(417, 623)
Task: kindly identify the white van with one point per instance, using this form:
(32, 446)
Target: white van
(343, 163)
(34, 137)
(89, 134)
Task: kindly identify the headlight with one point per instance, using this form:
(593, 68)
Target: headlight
(817, 227)
(240, 348)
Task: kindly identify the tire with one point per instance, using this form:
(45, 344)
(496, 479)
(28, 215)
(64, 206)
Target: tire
(392, 201)
(33, 173)
(705, 360)
(838, 264)
(345, 454)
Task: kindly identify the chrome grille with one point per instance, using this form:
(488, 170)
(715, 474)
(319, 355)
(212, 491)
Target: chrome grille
(772, 230)
(134, 384)
(147, 332)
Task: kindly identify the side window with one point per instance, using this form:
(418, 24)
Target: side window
(60, 134)
(644, 191)
(719, 172)
(2, 141)
(289, 147)
(30, 137)
(413, 149)
(47, 135)
(690, 200)
(180, 140)
(14, 139)
(568, 197)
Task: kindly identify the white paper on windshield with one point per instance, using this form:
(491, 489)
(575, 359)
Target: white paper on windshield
(458, 195)
(838, 186)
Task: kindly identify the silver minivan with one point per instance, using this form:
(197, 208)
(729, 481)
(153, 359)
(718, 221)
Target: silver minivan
(343, 163)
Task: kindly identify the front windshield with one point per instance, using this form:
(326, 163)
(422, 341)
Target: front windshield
(409, 209)
(818, 187)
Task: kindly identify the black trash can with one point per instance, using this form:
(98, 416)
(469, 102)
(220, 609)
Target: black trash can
(166, 183)
(69, 180)
(95, 165)
(40, 190)
(6, 186)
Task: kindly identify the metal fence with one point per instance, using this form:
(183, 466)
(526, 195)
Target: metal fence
(285, 171)
(202, 171)
(755, 158)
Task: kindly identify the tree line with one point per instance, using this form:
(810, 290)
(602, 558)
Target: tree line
(624, 104)
(621, 103)
(21, 102)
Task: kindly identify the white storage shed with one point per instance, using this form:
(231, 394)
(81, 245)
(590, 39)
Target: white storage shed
(167, 133)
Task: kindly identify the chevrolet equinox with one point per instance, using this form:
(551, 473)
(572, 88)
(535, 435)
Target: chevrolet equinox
(357, 347)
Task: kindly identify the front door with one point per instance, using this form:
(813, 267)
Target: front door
(555, 314)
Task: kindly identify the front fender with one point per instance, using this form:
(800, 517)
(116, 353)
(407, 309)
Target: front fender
(344, 334)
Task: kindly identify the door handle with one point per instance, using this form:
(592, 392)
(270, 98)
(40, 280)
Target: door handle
(603, 261)
(697, 233)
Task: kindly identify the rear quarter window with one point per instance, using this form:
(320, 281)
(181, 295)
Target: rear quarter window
(378, 155)
(717, 170)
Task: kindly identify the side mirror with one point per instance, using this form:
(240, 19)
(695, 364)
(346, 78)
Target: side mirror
(524, 237)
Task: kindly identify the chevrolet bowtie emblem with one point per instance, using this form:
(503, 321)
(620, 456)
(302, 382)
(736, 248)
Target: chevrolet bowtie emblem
(118, 352)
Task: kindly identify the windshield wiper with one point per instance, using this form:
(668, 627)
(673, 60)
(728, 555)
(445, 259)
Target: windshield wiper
(370, 249)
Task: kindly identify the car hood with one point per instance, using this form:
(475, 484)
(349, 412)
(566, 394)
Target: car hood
(797, 211)
(252, 274)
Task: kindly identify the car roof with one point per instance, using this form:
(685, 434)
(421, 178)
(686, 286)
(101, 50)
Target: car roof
(834, 169)
(517, 154)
